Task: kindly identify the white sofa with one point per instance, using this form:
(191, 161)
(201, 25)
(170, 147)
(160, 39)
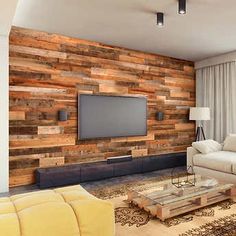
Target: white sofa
(220, 165)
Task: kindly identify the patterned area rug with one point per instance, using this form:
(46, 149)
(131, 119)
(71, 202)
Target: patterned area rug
(215, 220)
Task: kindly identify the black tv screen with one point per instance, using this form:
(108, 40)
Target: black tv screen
(102, 116)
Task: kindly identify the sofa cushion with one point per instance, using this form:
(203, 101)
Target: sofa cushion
(61, 212)
(48, 219)
(9, 224)
(230, 143)
(207, 146)
(99, 208)
(29, 200)
(222, 161)
(73, 193)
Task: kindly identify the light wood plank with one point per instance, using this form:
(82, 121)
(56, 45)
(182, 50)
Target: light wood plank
(16, 115)
(51, 161)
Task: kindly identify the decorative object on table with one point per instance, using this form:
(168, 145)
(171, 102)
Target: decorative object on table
(181, 181)
(199, 114)
(210, 183)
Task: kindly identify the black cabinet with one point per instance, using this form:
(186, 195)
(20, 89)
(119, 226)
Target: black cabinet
(77, 173)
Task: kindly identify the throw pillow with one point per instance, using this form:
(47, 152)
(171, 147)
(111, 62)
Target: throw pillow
(207, 146)
(230, 143)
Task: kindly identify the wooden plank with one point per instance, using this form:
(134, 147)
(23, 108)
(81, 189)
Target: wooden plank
(42, 142)
(16, 115)
(133, 139)
(20, 177)
(23, 130)
(231, 192)
(139, 152)
(51, 161)
(73, 58)
(103, 88)
(113, 73)
(131, 59)
(37, 89)
(202, 201)
(25, 64)
(37, 51)
(50, 130)
(179, 94)
(185, 126)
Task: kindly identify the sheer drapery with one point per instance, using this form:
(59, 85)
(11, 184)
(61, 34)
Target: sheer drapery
(216, 88)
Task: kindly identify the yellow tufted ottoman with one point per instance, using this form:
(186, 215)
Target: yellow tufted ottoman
(69, 211)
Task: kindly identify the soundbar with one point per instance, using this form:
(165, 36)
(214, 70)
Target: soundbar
(118, 159)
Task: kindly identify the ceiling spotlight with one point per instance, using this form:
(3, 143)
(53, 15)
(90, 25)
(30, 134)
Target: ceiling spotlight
(182, 7)
(160, 19)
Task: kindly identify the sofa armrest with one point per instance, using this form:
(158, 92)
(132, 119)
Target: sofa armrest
(191, 152)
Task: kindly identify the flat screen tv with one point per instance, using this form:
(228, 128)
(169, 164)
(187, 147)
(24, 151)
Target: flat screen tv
(102, 116)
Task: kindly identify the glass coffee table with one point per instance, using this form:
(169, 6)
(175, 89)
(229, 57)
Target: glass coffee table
(164, 200)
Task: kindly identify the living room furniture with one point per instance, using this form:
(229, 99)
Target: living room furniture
(165, 200)
(78, 173)
(199, 114)
(59, 212)
(220, 164)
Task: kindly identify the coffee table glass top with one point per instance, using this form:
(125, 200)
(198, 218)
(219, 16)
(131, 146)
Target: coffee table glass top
(165, 193)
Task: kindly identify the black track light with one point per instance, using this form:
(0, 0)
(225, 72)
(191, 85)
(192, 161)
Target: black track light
(182, 7)
(160, 19)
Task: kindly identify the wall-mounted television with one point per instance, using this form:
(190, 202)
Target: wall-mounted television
(103, 116)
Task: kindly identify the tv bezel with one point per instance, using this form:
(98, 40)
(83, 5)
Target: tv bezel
(108, 95)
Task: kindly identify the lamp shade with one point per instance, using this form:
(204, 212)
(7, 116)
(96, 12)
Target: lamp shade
(199, 113)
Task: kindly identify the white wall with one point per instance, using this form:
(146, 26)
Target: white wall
(4, 114)
(7, 12)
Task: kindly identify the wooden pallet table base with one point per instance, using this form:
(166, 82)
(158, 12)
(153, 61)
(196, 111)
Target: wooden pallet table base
(166, 203)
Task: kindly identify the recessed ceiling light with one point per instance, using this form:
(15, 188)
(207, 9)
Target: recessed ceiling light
(160, 19)
(182, 7)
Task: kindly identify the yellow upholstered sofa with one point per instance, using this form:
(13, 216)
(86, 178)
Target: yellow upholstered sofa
(69, 211)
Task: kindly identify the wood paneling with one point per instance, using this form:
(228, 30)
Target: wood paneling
(47, 72)
(139, 152)
(16, 115)
(51, 161)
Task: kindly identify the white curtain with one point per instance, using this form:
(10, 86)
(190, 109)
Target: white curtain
(216, 88)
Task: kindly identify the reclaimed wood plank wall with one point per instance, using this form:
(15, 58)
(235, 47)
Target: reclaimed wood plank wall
(47, 71)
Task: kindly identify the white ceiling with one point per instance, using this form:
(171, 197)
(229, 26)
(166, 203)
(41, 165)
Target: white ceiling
(208, 29)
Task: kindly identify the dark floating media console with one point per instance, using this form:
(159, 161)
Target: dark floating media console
(78, 173)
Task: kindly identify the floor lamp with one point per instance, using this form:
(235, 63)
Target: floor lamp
(199, 114)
